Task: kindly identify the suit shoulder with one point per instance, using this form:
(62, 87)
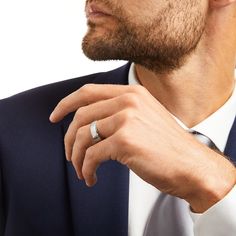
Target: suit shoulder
(46, 93)
(40, 101)
(52, 93)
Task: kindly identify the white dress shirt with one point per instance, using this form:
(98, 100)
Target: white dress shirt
(220, 219)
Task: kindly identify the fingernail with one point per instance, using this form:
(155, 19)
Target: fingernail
(92, 182)
(51, 118)
(87, 183)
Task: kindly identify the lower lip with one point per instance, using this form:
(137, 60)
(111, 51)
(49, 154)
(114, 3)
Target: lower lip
(97, 15)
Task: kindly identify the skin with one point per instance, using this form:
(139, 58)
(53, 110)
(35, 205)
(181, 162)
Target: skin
(158, 35)
(135, 121)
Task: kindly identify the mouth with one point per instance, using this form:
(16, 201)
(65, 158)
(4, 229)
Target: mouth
(94, 11)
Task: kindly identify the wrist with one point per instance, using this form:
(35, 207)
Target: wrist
(212, 185)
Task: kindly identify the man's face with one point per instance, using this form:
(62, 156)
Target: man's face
(158, 34)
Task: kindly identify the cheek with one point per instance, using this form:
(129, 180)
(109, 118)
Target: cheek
(142, 11)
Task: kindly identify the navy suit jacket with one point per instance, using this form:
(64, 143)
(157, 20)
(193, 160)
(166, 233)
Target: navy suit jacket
(40, 194)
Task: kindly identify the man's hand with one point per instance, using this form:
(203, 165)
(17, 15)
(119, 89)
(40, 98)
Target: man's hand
(141, 134)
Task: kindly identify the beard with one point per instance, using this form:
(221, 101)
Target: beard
(162, 43)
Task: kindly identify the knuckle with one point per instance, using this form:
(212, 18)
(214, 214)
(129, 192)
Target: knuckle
(89, 154)
(62, 104)
(131, 100)
(80, 113)
(84, 93)
(137, 88)
(80, 133)
(134, 100)
(85, 88)
(126, 116)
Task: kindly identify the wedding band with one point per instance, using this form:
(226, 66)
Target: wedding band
(94, 132)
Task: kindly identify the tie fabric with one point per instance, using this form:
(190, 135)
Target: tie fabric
(170, 215)
(204, 139)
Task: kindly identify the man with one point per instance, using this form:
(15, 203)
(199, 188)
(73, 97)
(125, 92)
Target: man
(172, 126)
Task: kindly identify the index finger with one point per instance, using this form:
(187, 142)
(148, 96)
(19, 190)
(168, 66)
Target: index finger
(86, 95)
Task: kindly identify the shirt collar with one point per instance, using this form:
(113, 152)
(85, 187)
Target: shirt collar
(217, 126)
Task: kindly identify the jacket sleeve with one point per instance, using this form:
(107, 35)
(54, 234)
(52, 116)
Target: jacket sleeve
(2, 219)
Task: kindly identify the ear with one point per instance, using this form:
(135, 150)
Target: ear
(221, 3)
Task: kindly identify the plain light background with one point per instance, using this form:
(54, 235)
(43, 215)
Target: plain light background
(40, 43)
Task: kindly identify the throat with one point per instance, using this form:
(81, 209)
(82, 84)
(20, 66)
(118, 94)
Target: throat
(191, 98)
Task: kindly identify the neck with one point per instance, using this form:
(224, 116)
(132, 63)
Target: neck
(195, 91)
(205, 82)
(189, 95)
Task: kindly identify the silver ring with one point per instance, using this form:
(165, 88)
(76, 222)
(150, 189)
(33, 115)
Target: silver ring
(94, 132)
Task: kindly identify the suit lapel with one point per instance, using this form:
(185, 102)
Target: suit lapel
(103, 209)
